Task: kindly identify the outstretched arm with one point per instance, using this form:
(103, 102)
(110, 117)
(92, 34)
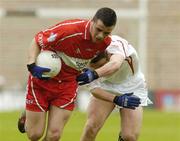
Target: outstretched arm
(111, 66)
(103, 68)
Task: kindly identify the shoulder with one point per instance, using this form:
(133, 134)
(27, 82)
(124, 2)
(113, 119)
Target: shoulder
(74, 21)
(115, 39)
(118, 45)
(73, 25)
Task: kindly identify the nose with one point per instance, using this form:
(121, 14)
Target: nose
(100, 36)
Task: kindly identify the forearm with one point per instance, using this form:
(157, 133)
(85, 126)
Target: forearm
(107, 69)
(110, 67)
(103, 95)
(33, 52)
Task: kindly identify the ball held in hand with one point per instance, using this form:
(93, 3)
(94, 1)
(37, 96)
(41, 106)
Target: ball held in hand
(49, 59)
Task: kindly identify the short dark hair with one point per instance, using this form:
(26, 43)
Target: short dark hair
(99, 57)
(106, 15)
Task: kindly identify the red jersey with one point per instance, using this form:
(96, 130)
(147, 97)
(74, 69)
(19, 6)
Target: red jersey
(71, 37)
(72, 41)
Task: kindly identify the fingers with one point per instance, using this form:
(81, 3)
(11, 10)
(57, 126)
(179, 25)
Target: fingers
(81, 77)
(129, 94)
(132, 102)
(42, 69)
(46, 70)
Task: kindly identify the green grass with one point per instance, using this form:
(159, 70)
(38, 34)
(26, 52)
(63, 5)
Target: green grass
(157, 126)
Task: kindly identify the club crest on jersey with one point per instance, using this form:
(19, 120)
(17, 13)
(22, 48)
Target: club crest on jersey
(78, 51)
(52, 37)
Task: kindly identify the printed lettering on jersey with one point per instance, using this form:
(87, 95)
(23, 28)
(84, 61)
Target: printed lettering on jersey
(76, 63)
(52, 37)
(40, 40)
(29, 101)
(81, 64)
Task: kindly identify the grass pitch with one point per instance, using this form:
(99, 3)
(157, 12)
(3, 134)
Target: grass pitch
(157, 126)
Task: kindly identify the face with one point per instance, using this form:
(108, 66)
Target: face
(99, 31)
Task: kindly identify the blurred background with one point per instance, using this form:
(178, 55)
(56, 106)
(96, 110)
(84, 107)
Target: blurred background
(151, 26)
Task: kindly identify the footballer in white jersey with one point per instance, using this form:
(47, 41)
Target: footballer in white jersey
(119, 74)
(129, 77)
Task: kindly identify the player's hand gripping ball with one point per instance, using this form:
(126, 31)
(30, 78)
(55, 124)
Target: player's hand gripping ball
(47, 65)
(49, 59)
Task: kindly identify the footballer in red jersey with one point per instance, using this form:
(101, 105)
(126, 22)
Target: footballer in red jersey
(76, 42)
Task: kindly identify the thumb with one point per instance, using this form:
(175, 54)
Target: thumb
(46, 69)
(129, 94)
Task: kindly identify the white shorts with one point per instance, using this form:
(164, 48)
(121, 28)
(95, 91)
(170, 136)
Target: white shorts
(139, 89)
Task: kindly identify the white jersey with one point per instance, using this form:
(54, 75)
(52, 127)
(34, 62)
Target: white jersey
(129, 77)
(130, 68)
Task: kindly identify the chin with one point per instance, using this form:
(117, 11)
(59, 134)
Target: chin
(98, 41)
(94, 40)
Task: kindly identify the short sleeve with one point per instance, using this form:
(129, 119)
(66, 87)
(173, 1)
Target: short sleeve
(48, 38)
(117, 46)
